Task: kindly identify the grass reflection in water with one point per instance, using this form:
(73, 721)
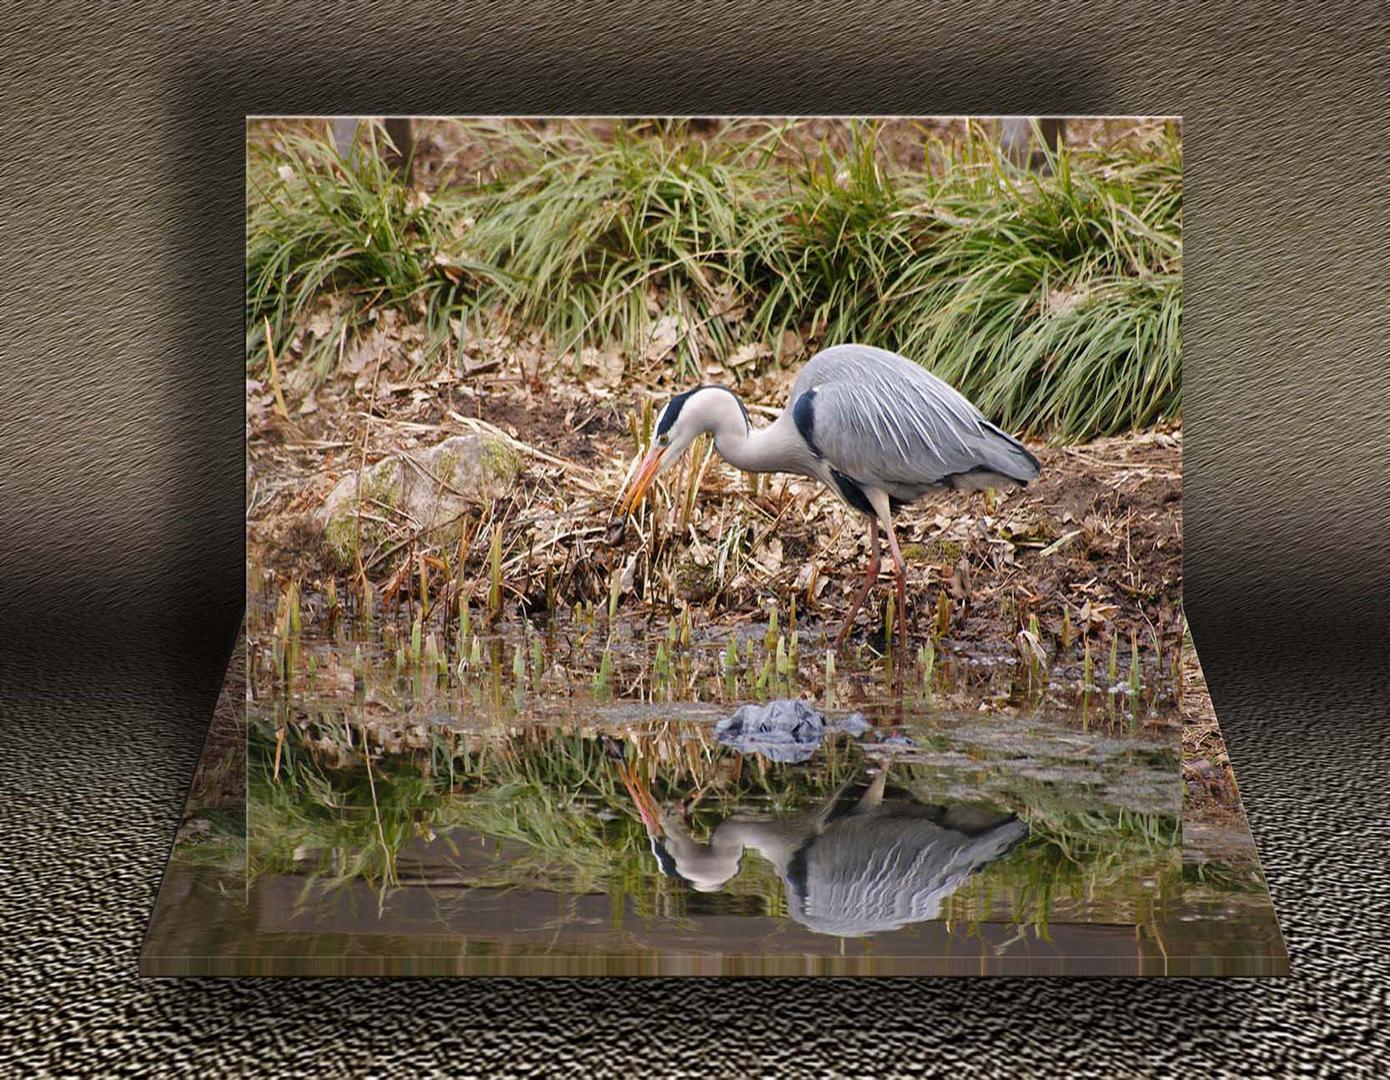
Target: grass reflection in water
(931, 818)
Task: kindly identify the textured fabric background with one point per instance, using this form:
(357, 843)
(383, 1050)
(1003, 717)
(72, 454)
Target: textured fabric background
(121, 494)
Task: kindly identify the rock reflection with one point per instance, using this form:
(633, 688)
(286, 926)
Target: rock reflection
(783, 730)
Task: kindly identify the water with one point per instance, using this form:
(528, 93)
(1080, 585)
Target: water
(514, 821)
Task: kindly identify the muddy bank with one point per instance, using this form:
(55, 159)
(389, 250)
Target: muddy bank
(1088, 555)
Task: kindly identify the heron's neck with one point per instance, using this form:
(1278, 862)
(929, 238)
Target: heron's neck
(775, 448)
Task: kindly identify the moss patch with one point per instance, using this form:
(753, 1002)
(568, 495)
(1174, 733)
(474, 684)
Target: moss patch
(500, 461)
(381, 487)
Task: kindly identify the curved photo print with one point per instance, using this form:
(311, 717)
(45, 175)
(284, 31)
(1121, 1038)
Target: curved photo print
(714, 546)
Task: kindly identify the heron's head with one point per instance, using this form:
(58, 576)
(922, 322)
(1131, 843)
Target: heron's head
(705, 409)
(703, 867)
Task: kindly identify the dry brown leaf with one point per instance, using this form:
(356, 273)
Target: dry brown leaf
(664, 336)
(746, 354)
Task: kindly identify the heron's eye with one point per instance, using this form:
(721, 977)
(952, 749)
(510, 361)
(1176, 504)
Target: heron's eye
(663, 440)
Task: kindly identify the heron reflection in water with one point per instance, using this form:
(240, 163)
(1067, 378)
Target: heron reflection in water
(851, 868)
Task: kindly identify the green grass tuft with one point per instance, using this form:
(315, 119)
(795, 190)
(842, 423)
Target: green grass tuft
(1053, 301)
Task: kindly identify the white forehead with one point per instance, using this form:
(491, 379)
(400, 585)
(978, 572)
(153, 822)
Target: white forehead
(697, 402)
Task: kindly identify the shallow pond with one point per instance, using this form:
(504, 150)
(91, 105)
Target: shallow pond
(504, 823)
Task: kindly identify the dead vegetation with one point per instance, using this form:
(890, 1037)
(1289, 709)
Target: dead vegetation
(1087, 558)
(1077, 579)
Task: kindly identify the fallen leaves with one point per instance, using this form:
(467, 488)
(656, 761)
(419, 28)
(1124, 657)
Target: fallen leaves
(746, 354)
(959, 583)
(1057, 546)
(666, 332)
(1096, 614)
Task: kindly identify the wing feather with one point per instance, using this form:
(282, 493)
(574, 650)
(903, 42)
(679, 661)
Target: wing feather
(888, 422)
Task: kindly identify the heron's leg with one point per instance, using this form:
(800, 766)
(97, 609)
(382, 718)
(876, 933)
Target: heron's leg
(869, 578)
(901, 567)
(828, 807)
(873, 797)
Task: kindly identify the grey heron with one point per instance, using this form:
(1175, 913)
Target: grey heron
(875, 428)
(873, 867)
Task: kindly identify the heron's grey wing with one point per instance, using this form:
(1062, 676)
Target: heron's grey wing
(881, 419)
(868, 875)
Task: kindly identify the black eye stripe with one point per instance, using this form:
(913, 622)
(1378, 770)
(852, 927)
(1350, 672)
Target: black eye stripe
(672, 410)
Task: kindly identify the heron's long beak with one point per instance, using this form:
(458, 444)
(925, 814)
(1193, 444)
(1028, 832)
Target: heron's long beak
(646, 473)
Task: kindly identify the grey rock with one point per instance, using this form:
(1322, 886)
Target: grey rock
(422, 490)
